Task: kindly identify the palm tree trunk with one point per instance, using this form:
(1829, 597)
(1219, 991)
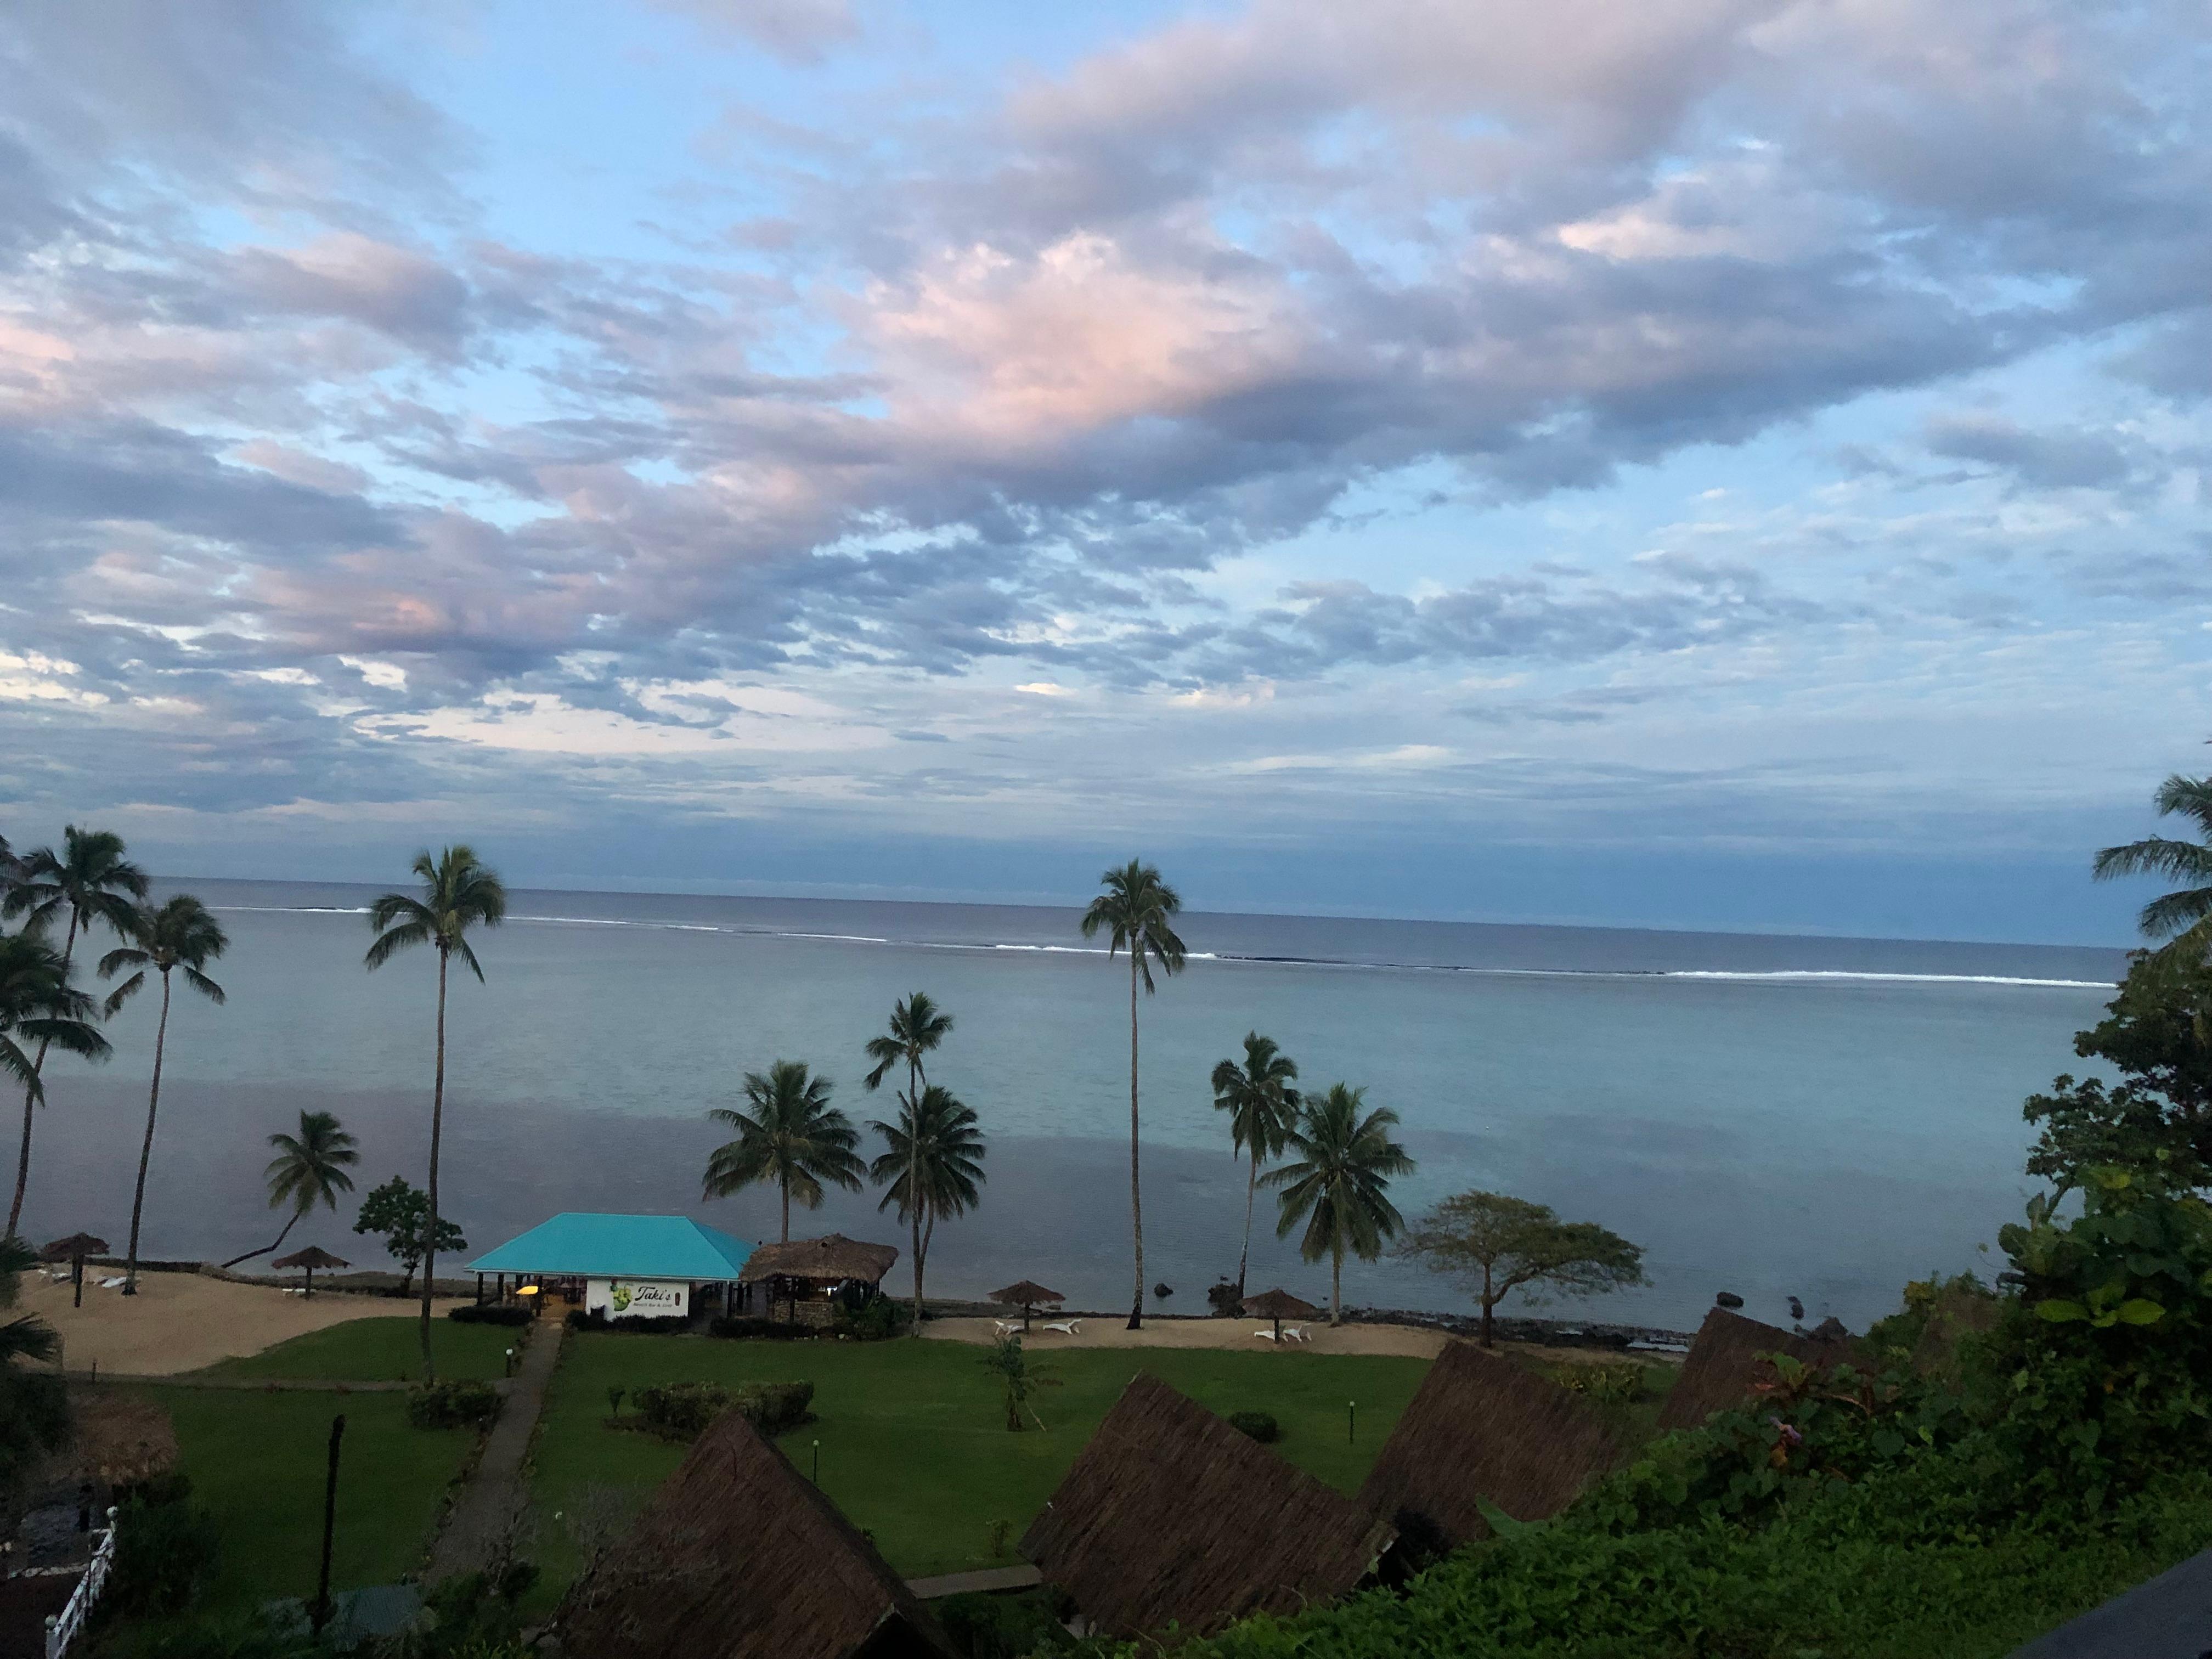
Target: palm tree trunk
(786, 1209)
(1244, 1256)
(1136, 1195)
(914, 1173)
(437, 1131)
(1336, 1285)
(146, 1147)
(31, 1098)
(267, 1249)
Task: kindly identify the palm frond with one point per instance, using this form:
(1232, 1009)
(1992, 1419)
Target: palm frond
(405, 936)
(122, 993)
(206, 986)
(29, 1337)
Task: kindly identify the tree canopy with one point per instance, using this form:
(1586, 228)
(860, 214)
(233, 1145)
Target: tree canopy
(1498, 1244)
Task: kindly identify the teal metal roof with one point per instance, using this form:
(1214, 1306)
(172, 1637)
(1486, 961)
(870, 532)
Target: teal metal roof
(619, 1246)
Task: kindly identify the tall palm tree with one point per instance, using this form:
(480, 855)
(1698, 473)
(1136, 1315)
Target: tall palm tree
(181, 934)
(458, 893)
(1262, 1109)
(89, 881)
(1136, 910)
(917, 1026)
(934, 1166)
(2185, 913)
(309, 1168)
(1339, 1185)
(39, 1006)
(793, 1137)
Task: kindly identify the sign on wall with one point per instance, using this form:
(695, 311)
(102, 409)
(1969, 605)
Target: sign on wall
(638, 1298)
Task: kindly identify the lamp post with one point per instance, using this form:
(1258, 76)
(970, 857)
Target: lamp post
(1350, 1421)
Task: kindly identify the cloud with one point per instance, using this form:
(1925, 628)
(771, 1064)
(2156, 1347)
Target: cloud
(2051, 460)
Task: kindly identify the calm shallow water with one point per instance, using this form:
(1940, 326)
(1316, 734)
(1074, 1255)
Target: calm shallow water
(1752, 1109)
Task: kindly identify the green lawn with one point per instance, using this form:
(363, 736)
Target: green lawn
(914, 1448)
(256, 1460)
(380, 1350)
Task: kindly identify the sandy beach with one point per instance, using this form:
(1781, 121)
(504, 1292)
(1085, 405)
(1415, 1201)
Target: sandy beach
(1114, 1333)
(180, 1322)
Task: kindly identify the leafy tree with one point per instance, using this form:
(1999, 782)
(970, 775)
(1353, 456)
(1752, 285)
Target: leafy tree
(180, 935)
(934, 1166)
(2184, 916)
(918, 1026)
(89, 881)
(458, 893)
(39, 1006)
(1021, 1377)
(1498, 1245)
(1262, 1109)
(397, 1212)
(2157, 1120)
(793, 1136)
(1338, 1184)
(309, 1168)
(1136, 911)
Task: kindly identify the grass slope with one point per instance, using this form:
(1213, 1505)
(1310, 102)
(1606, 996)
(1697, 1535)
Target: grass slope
(257, 1461)
(914, 1447)
(381, 1350)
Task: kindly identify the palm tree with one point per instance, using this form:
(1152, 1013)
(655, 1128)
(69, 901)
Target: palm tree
(182, 934)
(2185, 913)
(917, 1026)
(91, 881)
(934, 1166)
(309, 1168)
(39, 1005)
(458, 893)
(1136, 909)
(795, 1137)
(1339, 1185)
(1262, 1109)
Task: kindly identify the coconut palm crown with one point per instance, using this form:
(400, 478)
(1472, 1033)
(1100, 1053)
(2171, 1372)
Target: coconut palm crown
(1136, 912)
(793, 1136)
(1338, 1184)
(89, 881)
(38, 1006)
(182, 935)
(309, 1168)
(934, 1166)
(1262, 1110)
(458, 893)
(2185, 913)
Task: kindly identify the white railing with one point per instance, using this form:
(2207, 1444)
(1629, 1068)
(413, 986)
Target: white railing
(63, 1627)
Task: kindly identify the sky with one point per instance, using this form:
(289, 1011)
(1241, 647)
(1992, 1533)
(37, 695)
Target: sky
(1706, 462)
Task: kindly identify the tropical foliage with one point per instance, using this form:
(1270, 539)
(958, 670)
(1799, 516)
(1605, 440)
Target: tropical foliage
(1263, 1109)
(398, 1213)
(792, 1136)
(1019, 1377)
(918, 1025)
(2184, 916)
(182, 936)
(1137, 912)
(88, 883)
(33, 1409)
(457, 894)
(934, 1166)
(1497, 1245)
(1339, 1183)
(310, 1169)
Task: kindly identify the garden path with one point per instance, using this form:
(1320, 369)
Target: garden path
(491, 1495)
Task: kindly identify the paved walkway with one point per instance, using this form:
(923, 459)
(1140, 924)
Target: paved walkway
(496, 1488)
(2168, 1618)
(969, 1583)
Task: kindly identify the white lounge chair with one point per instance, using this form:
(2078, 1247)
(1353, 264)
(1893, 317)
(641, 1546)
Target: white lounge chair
(110, 1284)
(1296, 1333)
(1006, 1327)
(1065, 1326)
(1267, 1336)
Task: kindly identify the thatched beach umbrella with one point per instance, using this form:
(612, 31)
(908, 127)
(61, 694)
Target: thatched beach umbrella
(73, 1250)
(1026, 1294)
(313, 1257)
(1279, 1304)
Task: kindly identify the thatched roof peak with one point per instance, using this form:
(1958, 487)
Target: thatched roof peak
(1170, 1516)
(833, 1257)
(1026, 1293)
(739, 1556)
(313, 1256)
(76, 1245)
(1725, 1364)
(1279, 1303)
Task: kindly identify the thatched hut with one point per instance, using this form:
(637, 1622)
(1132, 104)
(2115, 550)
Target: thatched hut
(1171, 1517)
(739, 1556)
(808, 1275)
(1725, 1364)
(118, 1439)
(1485, 1427)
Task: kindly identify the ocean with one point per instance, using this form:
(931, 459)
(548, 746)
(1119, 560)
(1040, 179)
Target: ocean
(1774, 1116)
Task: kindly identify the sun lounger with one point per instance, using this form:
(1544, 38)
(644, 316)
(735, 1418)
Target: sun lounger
(1267, 1336)
(1006, 1327)
(1297, 1334)
(110, 1284)
(1065, 1326)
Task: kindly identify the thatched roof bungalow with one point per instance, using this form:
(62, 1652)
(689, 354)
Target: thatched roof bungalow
(1484, 1427)
(118, 1439)
(1171, 1517)
(805, 1273)
(739, 1556)
(1724, 1365)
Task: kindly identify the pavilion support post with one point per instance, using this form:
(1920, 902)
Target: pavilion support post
(480, 1289)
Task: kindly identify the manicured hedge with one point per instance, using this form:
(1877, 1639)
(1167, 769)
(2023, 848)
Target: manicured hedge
(491, 1313)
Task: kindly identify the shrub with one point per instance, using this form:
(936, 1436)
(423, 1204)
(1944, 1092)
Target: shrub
(643, 1325)
(682, 1411)
(986, 1626)
(873, 1321)
(776, 1408)
(491, 1313)
(1261, 1426)
(165, 1554)
(1225, 1300)
(1615, 1383)
(452, 1405)
(774, 1330)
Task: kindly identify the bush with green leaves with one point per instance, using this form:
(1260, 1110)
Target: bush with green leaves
(165, 1551)
(874, 1320)
(452, 1405)
(1610, 1382)
(683, 1411)
(1259, 1426)
(492, 1313)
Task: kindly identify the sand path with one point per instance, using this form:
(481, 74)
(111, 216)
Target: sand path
(1114, 1332)
(181, 1322)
